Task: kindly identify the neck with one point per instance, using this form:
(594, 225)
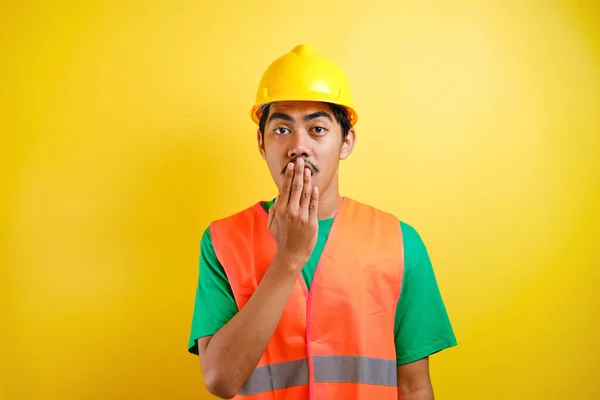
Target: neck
(329, 200)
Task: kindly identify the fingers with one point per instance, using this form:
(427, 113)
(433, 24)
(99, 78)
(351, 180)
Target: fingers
(313, 207)
(272, 210)
(284, 195)
(297, 184)
(306, 192)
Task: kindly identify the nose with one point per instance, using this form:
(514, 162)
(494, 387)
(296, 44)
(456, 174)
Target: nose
(299, 145)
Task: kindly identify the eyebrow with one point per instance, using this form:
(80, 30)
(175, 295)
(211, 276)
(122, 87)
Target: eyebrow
(280, 115)
(318, 114)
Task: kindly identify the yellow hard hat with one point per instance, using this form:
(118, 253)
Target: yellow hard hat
(304, 74)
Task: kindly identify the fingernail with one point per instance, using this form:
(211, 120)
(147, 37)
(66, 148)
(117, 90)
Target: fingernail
(290, 166)
(306, 171)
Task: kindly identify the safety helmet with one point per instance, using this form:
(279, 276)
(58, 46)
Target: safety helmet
(304, 74)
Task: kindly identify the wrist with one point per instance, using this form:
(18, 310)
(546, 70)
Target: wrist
(291, 262)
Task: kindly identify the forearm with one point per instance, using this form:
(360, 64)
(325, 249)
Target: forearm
(235, 350)
(414, 382)
(424, 392)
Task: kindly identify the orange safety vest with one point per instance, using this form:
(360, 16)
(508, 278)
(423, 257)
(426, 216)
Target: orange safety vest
(336, 340)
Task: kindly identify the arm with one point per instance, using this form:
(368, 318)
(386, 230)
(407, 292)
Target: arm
(414, 382)
(229, 356)
(422, 326)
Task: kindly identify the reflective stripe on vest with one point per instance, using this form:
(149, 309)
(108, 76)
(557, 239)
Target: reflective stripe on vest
(349, 369)
(276, 376)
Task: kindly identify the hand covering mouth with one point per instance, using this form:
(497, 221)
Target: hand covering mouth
(307, 164)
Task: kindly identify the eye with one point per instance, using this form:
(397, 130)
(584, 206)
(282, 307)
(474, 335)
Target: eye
(282, 131)
(319, 130)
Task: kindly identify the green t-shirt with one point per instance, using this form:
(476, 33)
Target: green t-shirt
(422, 326)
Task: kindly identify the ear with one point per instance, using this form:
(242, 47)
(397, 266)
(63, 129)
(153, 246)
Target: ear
(261, 144)
(348, 144)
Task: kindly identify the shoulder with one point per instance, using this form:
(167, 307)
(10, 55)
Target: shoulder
(248, 210)
(206, 242)
(411, 237)
(409, 233)
(414, 247)
(229, 231)
(369, 210)
(237, 219)
(206, 238)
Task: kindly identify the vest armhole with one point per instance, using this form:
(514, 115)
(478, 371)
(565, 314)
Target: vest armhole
(401, 266)
(212, 239)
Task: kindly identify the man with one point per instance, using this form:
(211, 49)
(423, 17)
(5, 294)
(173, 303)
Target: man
(313, 295)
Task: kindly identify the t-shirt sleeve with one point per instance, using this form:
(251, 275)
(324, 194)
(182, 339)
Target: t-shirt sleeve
(214, 305)
(422, 325)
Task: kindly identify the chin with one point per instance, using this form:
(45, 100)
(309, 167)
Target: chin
(316, 182)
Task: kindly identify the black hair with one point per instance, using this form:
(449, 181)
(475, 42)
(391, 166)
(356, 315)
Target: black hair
(339, 112)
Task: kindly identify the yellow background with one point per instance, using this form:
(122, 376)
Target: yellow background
(125, 129)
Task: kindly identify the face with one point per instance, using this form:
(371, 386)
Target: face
(308, 130)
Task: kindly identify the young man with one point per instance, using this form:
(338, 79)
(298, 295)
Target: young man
(313, 295)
